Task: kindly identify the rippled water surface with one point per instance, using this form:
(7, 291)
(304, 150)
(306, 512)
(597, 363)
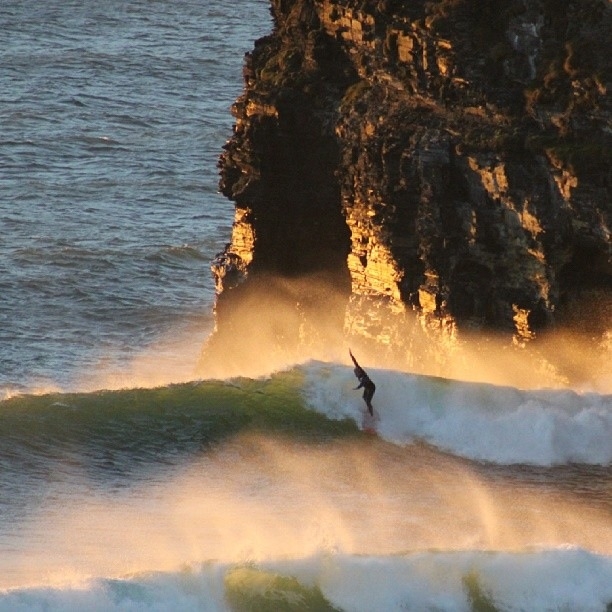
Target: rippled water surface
(113, 115)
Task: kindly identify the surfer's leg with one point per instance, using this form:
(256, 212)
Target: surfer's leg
(367, 398)
(368, 394)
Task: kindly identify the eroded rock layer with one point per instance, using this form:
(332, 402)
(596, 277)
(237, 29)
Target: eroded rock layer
(441, 165)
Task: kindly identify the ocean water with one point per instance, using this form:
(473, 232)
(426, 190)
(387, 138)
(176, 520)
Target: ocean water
(128, 481)
(113, 115)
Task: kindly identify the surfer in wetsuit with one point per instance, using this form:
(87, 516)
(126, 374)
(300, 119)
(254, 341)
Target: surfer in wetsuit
(364, 381)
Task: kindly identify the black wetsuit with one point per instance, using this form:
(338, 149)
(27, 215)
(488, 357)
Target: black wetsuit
(364, 381)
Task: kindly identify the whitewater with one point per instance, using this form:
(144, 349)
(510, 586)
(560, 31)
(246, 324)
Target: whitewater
(131, 480)
(222, 495)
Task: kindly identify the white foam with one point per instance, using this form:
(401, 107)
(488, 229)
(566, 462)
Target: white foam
(479, 421)
(548, 580)
(564, 579)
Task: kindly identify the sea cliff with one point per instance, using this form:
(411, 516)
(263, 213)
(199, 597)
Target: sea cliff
(408, 175)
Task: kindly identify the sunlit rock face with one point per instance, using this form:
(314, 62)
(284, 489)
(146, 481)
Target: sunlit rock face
(442, 165)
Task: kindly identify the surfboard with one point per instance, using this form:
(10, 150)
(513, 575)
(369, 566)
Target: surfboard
(368, 423)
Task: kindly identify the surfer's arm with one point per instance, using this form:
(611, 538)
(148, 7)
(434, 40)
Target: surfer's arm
(353, 358)
(359, 387)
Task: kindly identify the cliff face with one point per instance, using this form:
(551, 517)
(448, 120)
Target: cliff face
(435, 166)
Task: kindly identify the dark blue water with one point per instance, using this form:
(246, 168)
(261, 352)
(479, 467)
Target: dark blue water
(112, 117)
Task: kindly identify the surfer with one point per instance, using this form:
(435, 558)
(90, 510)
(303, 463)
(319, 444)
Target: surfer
(364, 381)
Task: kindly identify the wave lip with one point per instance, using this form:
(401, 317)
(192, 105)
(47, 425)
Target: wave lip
(478, 421)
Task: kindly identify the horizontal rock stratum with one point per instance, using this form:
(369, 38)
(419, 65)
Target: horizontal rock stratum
(404, 168)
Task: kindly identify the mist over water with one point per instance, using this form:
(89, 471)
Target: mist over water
(258, 498)
(268, 333)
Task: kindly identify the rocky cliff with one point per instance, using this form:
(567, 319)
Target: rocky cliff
(408, 174)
